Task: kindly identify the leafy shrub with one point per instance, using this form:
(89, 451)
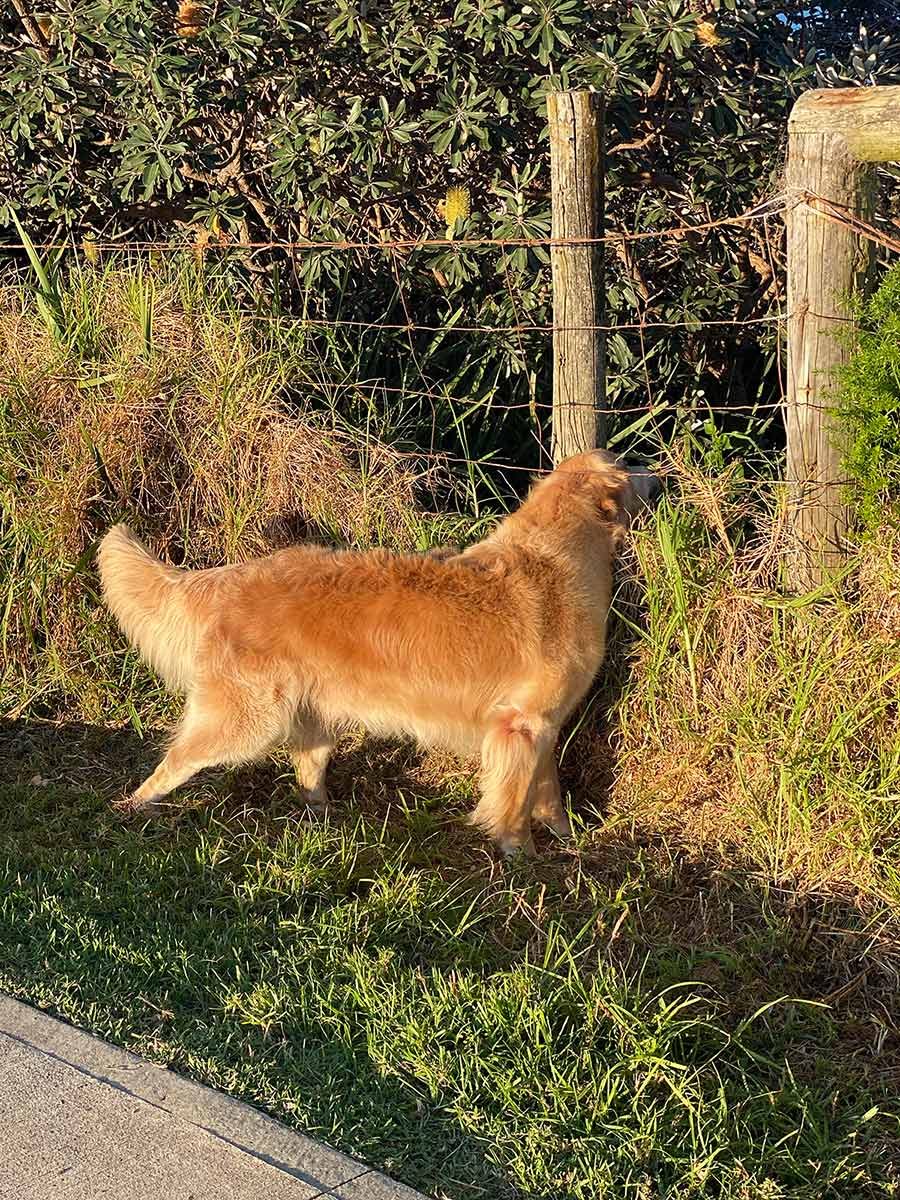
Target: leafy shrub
(336, 119)
(870, 405)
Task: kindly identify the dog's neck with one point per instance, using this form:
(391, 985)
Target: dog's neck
(578, 541)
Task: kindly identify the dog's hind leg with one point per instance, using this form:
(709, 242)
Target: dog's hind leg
(310, 748)
(513, 746)
(548, 806)
(217, 727)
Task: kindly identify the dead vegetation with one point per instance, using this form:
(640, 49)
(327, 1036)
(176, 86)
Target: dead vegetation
(216, 443)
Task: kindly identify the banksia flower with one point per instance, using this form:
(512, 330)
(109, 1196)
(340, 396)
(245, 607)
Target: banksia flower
(202, 239)
(191, 19)
(454, 207)
(708, 34)
(90, 250)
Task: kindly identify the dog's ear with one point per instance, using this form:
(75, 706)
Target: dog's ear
(614, 494)
(617, 514)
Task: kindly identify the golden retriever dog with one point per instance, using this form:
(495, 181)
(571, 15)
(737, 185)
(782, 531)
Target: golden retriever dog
(484, 652)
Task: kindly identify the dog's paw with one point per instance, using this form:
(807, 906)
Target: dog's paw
(315, 808)
(315, 801)
(517, 851)
(129, 807)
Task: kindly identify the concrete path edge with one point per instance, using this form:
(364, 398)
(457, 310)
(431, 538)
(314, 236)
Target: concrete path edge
(329, 1173)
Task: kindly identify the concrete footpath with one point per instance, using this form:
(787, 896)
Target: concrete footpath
(82, 1120)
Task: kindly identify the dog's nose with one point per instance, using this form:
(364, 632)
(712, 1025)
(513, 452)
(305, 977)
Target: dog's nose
(646, 483)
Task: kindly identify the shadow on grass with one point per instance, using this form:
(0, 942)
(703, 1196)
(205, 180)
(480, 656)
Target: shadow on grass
(286, 961)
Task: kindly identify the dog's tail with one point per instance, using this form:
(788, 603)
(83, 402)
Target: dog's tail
(150, 602)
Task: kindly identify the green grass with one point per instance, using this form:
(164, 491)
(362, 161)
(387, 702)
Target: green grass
(696, 998)
(619, 1019)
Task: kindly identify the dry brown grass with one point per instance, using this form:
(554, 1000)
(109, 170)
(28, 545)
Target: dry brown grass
(217, 446)
(752, 722)
(199, 439)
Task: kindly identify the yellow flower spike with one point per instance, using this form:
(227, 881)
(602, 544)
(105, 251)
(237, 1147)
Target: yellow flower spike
(456, 207)
(191, 19)
(90, 250)
(708, 34)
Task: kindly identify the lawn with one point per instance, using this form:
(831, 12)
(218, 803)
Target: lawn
(621, 1018)
(697, 997)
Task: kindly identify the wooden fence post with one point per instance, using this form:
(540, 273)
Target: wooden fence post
(579, 347)
(834, 137)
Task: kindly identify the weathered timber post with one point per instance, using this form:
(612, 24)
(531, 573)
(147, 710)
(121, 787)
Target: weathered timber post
(579, 347)
(834, 138)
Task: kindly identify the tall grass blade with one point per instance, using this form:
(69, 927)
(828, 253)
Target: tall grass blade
(47, 295)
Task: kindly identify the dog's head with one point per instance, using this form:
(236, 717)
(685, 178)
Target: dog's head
(618, 492)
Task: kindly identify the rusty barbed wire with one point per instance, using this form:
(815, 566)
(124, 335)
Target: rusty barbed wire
(690, 324)
(838, 214)
(786, 201)
(758, 212)
(661, 409)
(808, 482)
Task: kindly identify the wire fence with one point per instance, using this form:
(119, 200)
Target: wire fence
(780, 205)
(767, 208)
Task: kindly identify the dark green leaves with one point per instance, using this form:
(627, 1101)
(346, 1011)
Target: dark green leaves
(350, 119)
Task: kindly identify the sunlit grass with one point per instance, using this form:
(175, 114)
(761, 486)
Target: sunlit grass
(696, 998)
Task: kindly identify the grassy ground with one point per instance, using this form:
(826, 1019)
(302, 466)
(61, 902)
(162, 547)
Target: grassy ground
(697, 998)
